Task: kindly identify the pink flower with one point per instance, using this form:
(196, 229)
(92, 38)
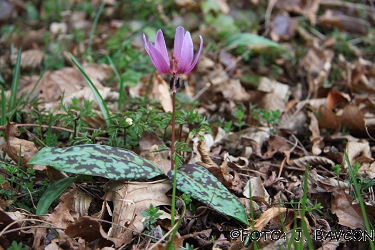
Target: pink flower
(182, 57)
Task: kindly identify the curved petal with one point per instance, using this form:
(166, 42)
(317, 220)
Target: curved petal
(146, 44)
(178, 40)
(158, 59)
(187, 54)
(160, 45)
(191, 67)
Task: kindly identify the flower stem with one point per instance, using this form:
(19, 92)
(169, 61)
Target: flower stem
(172, 151)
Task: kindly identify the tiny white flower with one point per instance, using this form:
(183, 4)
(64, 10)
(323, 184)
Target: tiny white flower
(129, 121)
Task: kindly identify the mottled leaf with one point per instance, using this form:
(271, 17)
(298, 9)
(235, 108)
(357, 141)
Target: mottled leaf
(200, 184)
(97, 160)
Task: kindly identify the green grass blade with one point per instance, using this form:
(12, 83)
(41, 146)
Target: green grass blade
(303, 213)
(94, 24)
(3, 107)
(102, 105)
(359, 197)
(122, 90)
(251, 41)
(15, 81)
(52, 193)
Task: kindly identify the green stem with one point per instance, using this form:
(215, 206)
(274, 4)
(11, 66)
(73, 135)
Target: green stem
(172, 152)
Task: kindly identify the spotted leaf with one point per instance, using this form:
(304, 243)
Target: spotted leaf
(97, 160)
(200, 184)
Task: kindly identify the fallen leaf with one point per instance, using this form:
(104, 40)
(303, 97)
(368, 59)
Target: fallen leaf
(129, 200)
(343, 21)
(283, 27)
(19, 150)
(30, 59)
(267, 216)
(64, 214)
(306, 8)
(347, 214)
(90, 230)
(255, 186)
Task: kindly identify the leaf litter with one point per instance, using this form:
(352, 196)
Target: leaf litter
(322, 83)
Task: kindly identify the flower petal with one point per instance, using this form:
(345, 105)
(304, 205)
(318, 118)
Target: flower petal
(191, 67)
(158, 59)
(178, 40)
(146, 45)
(187, 54)
(160, 45)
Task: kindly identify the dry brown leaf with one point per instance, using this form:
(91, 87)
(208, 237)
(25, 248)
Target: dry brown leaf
(30, 59)
(311, 161)
(90, 230)
(356, 149)
(82, 203)
(58, 28)
(306, 8)
(344, 21)
(276, 144)
(188, 4)
(276, 94)
(267, 216)
(283, 27)
(159, 90)
(28, 39)
(228, 61)
(4, 203)
(69, 81)
(351, 117)
(39, 235)
(86, 94)
(129, 200)
(64, 215)
(218, 134)
(14, 145)
(336, 98)
(237, 162)
(343, 208)
(160, 159)
(315, 137)
(320, 184)
(5, 221)
(293, 116)
(327, 119)
(221, 243)
(317, 64)
(255, 185)
(255, 138)
(367, 170)
(205, 155)
(222, 172)
(65, 242)
(232, 90)
(98, 72)
(53, 84)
